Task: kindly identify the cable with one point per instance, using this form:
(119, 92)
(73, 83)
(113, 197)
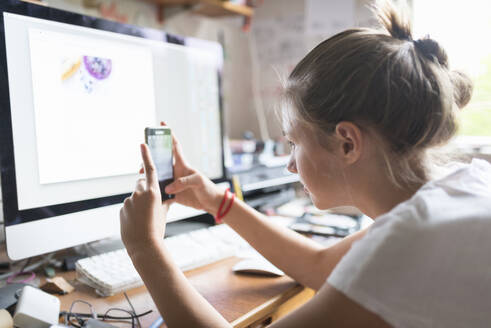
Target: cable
(25, 265)
(133, 309)
(31, 267)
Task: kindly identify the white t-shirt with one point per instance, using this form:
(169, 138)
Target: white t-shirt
(427, 262)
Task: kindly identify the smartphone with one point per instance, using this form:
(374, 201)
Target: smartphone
(159, 140)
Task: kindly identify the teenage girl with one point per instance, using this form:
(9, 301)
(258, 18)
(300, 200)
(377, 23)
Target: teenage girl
(363, 112)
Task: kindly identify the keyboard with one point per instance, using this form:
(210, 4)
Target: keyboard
(113, 272)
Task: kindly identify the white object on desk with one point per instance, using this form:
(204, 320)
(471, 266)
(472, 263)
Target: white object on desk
(36, 309)
(257, 266)
(6, 319)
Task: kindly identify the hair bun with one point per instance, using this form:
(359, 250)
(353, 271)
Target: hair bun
(462, 86)
(392, 20)
(432, 50)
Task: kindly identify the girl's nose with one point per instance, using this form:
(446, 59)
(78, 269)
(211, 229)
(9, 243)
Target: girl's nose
(292, 166)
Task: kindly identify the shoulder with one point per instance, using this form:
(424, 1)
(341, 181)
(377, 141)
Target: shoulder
(446, 217)
(433, 247)
(461, 195)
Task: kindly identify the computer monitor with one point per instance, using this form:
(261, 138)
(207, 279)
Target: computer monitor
(76, 94)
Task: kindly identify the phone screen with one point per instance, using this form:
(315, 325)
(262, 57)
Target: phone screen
(159, 140)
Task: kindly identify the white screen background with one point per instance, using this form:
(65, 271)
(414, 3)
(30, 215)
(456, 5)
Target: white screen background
(88, 128)
(185, 96)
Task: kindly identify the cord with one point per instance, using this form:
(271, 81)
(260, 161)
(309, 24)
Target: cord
(133, 309)
(25, 265)
(31, 267)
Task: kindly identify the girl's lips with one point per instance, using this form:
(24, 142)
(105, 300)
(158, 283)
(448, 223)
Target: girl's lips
(306, 190)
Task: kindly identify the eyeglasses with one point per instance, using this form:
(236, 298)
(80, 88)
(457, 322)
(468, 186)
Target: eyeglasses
(80, 319)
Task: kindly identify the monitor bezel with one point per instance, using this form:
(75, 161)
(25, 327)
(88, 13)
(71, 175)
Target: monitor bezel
(12, 214)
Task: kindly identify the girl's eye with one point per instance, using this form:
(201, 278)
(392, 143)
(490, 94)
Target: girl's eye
(291, 144)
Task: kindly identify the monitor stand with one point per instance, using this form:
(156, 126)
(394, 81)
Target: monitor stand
(179, 227)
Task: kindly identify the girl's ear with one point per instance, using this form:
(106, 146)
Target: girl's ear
(350, 141)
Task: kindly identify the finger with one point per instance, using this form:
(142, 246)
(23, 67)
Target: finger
(183, 183)
(140, 184)
(127, 204)
(149, 167)
(176, 147)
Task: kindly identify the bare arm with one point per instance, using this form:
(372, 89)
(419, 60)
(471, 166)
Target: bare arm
(330, 308)
(142, 227)
(182, 306)
(177, 300)
(299, 257)
(143, 223)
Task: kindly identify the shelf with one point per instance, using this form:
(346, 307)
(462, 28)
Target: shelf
(37, 2)
(174, 2)
(217, 8)
(213, 8)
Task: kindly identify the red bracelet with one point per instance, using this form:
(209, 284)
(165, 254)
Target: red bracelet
(229, 207)
(221, 206)
(220, 214)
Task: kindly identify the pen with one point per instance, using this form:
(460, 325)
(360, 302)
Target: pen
(157, 323)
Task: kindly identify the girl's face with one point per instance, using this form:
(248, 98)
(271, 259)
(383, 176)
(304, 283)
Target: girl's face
(320, 170)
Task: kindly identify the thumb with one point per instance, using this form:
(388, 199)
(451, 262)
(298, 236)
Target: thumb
(183, 183)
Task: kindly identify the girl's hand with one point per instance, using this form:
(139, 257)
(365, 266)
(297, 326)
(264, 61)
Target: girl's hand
(190, 187)
(143, 215)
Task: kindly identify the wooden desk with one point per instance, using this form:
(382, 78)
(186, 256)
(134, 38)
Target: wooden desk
(243, 300)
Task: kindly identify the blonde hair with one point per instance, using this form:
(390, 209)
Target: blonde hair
(399, 89)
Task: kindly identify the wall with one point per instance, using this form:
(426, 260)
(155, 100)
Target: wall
(284, 31)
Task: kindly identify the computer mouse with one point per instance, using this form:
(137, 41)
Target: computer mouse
(257, 266)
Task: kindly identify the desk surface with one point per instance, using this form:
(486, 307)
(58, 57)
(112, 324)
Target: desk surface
(239, 298)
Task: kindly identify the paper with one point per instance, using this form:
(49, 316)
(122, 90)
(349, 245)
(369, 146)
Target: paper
(279, 39)
(327, 18)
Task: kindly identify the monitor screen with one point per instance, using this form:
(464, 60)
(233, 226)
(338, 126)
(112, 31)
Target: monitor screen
(76, 97)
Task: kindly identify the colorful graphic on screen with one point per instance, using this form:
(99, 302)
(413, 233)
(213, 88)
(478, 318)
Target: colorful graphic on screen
(89, 70)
